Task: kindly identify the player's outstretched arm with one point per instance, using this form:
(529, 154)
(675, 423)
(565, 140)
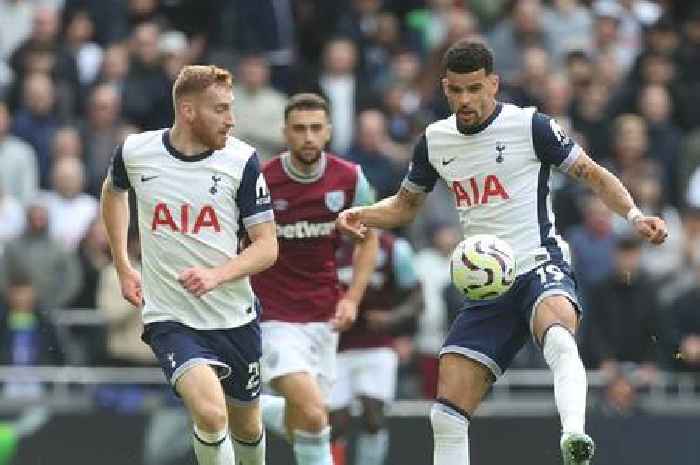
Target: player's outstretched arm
(114, 206)
(614, 194)
(389, 213)
(363, 264)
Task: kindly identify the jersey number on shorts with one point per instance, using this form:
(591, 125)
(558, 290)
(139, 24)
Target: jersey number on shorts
(254, 376)
(550, 271)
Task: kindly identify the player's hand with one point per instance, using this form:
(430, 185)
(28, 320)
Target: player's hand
(690, 350)
(652, 228)
(349, 222)
(378, 320)
(199, 281)
(130, 282)
(345, 314)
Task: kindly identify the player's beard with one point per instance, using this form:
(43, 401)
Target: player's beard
(308, 157)
(209, 137)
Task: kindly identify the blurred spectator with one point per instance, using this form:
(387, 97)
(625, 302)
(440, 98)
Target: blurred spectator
(432, 24)
(18, 165)
(630, 147)
(115, 66)
(569, 26)
(655, 106)
(404, 116)
(15, 25)
(70, 210)
(124, 325)
(12, 218)
(146, 91)
(94, 255)
(347, 94)
(528, 89)
(432, 323)
(35, 121)
(623, 316)
(26, 337)
(360, 21)
(659, 261)
(589, 118)
(592, 244)
(259, 109)
(520, 30)
(607, 35)
(579, 72)
(685, 323)
(101, 132)
(680, 280)
(382, 161)
(67, 143)
(557, 100)
(54, 272)
(43, 52)
(79, 33)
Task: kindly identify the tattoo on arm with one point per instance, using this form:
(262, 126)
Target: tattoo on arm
(588, 171)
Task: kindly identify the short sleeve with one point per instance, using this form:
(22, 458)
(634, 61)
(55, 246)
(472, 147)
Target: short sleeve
(253, 196)
(364, 194)
(552, 145)
(421, 176)
(404, 272)
(117, 170)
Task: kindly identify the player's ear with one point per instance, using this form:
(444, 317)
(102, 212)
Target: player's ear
(329, 131)
(494, 81)
(443, 81)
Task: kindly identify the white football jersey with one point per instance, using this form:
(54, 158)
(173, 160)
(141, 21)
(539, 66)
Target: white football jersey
(499, 174)
(192, 212)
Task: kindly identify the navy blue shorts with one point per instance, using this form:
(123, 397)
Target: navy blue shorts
(234, 354)
(493, 331)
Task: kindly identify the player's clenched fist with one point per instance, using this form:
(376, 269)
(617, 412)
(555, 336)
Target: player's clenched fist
(349, 222)
(130, 282)
(345, 314)
(199, 281)
(652, 229)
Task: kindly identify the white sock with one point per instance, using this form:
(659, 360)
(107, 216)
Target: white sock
(212, 448)
(313, 448)
(562, 356)
(371, 448)
(273, 408)
(250, 453)
(450, 436)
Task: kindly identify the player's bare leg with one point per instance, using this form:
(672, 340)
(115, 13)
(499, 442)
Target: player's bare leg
(462, 384)
(203, 396)
(247, 432)
(554, 326)
(306, 418)
(373, 440)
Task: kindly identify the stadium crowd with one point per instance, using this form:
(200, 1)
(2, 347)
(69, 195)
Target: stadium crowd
(622, 77)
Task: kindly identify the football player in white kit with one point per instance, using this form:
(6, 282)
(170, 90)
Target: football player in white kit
(199, 191)
(497, 158)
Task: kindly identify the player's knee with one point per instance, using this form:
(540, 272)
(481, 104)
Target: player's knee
(210, 416)
(448, 423)
(558, 340)
(249, 432)
(314, 418)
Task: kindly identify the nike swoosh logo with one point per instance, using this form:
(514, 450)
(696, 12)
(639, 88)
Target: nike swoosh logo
(447, 162)
(147, 178)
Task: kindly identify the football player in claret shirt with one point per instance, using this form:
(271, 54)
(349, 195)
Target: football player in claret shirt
(304, 306)
(198, 191)
(497, 159)
(367, 361)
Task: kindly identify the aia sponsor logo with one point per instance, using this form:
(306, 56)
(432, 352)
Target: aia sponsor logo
(204, 218)
(474, 191)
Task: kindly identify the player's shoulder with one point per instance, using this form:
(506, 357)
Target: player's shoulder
(238, 150)
(142, 142)
(335, 162)
(442, 126)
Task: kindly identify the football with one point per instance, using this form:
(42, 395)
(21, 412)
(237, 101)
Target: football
(483, 267)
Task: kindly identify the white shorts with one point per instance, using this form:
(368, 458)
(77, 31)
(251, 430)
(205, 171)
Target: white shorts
(299, 347)
(365, 372)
